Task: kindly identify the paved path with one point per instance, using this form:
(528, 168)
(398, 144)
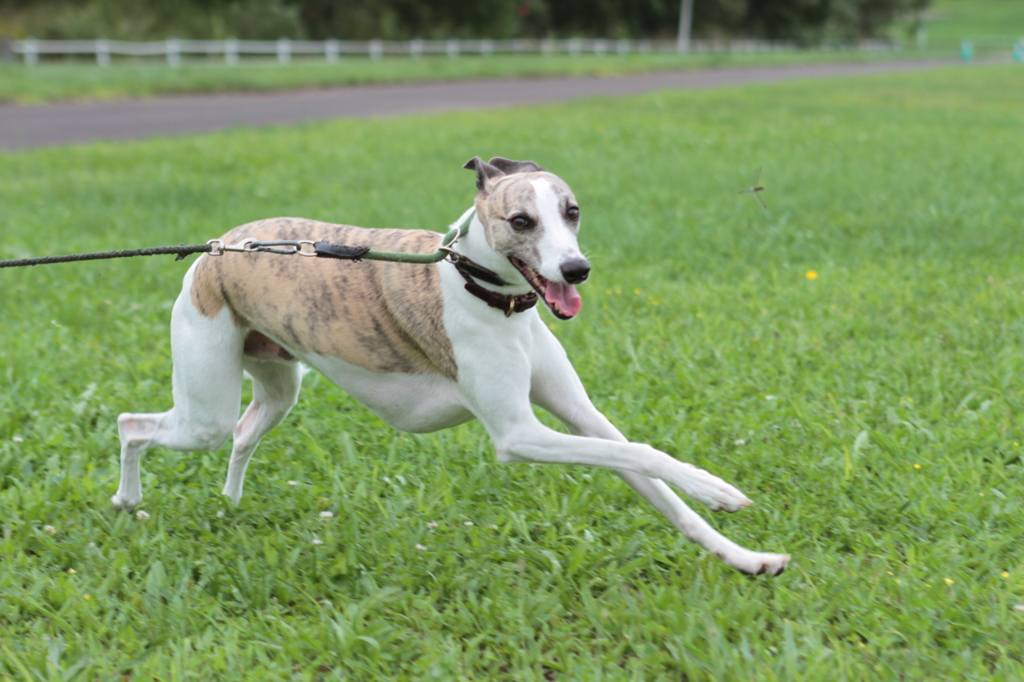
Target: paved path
(25, 127)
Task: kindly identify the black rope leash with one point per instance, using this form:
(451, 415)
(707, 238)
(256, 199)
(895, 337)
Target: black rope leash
(181, 251)
(305, 247)
(215, 248)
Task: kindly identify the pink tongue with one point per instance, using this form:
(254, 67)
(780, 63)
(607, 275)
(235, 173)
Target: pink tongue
(564, 297)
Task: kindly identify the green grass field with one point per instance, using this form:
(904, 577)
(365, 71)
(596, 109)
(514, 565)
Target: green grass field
(852, 359)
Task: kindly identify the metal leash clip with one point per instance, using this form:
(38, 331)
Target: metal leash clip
(304, 247)
(291, 247)
(219, 248)
(453, 255)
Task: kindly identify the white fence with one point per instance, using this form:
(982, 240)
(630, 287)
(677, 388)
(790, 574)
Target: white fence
(283, 50)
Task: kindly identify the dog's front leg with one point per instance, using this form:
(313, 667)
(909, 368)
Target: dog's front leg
(698, 530)
(557, 388)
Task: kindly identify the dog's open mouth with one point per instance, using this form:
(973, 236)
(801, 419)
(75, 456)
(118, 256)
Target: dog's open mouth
(562, 299)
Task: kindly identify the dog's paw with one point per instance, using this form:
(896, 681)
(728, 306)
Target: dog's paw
(713, 492)
(125, 502)
(759, 563)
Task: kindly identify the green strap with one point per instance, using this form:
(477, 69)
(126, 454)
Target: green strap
(439, 255)
(399, 257)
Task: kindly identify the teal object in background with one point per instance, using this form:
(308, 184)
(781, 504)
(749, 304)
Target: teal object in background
(967, 50)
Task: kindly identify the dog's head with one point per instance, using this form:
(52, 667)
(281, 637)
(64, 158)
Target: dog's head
(531, 218)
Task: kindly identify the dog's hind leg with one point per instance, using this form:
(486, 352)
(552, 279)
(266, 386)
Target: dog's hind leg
(207, 388)
(275, 389)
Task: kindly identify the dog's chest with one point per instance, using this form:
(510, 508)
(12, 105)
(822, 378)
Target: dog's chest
(383, 317)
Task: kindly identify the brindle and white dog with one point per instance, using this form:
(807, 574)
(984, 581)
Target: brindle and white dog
(425, 347)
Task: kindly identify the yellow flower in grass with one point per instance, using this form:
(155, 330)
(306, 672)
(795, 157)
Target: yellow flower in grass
(1005, 574)
(812, 274)
(948, 581)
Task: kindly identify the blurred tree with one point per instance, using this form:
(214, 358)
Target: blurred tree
(152, 19)
(801, 20)
(816, 20)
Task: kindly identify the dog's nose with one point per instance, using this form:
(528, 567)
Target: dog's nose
(575, 271)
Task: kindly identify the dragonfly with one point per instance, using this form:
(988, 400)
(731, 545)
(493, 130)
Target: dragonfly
(755, 188)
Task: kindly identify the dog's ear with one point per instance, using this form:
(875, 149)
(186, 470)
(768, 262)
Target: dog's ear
(508, 166)
(484, 171)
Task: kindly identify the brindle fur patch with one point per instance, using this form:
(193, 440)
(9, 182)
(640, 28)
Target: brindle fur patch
(383, 317)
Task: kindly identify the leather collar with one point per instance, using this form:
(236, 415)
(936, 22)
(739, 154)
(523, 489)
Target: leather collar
(474, 269)
(503, 302)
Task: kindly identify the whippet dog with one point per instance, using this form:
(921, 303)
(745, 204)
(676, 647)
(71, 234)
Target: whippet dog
(424, 347)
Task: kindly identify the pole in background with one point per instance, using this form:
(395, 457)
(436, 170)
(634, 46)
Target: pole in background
(231, 52)
(172, 48)
(102, 52)
(685, 26)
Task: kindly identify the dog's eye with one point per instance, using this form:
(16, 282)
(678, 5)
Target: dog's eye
(572, 213)
(521, 222)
